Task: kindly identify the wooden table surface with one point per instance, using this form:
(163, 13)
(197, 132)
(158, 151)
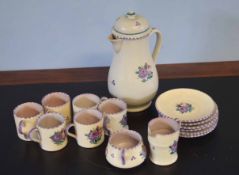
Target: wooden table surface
(216, 153)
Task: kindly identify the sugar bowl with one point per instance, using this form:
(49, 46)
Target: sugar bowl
(125, 149)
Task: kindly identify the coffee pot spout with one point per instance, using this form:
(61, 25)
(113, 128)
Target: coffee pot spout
(117, 43)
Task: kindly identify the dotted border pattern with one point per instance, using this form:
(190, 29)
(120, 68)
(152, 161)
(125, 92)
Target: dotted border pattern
(199, 128)
(198, 134)
(204, 122)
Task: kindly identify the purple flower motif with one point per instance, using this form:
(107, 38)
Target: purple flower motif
(113, 82)
(58, 137)
(137, 23)
(173, 147)
(123, 121)
(184, 107)
(143, 154)
(95, 135)
(112, 155)
(21, 125)
(133, 158)
(144, 72)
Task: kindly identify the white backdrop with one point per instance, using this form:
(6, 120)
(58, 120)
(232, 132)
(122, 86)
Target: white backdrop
(42, 34)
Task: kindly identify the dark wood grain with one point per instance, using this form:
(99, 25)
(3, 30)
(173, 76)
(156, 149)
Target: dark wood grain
(166, 71)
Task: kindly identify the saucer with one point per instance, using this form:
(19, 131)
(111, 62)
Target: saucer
(186, 105)
(197, 111)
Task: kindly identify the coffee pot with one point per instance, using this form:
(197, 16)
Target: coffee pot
(133, 76)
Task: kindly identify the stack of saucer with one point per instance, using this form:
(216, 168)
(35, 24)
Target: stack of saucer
(196, 111)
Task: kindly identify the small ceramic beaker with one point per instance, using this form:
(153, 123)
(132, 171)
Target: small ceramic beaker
(125, 149)
(26, 115)
(58, 102)
(115, 115)
(50, 132)
(85, 101)
(88, 125)
(163, 135)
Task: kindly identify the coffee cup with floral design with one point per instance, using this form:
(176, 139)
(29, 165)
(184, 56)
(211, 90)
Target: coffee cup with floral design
(86, 101)
(26, 115)
(163, 135)
(50, 132)
(59, 102)
(88, 124)
(114, 111)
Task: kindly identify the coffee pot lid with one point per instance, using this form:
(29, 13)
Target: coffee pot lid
(131, 26)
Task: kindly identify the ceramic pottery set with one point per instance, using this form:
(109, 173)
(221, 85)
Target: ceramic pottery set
(133, 81)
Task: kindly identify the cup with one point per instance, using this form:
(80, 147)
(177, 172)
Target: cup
(26, 115)
(50, 132)
(58, 102)
(88, 125)
(85, 101)
(125, 149)
(115, 115)
(163, 135)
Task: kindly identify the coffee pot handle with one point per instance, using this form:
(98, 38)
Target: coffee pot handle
(158, 43)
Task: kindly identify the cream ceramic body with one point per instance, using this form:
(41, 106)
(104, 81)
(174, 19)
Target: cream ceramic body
(126, 157)
(88, 135)
(24, 125)
(163, 147)
(64, 109)
(52, 138)
(133, 75)
(114, 121)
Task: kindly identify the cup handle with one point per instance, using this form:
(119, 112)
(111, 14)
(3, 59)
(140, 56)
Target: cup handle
(68, 132)
(34, 138)
(103, 98)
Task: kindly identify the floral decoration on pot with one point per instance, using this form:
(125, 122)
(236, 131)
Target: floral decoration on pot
(144, 72)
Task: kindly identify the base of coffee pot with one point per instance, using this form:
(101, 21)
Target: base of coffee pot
(139, 108)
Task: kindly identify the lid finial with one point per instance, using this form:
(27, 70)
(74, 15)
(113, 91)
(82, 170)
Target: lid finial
(131, 14)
